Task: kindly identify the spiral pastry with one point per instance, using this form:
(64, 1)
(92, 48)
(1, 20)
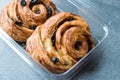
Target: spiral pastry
(21, 17)
(60, 42)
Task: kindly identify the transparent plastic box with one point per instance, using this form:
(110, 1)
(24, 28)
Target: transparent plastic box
(100, 32)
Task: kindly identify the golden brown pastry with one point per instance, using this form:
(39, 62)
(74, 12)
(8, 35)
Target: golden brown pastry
(60, 42)
(20, 18)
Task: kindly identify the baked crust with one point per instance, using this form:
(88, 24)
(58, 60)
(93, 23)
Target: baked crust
(60, 42)
(21, 17)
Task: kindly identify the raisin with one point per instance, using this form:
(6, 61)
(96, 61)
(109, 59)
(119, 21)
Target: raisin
(37, 12)
(33, 27)
(49, 11)
(70, 19)
(53, 40)
(18, 23)
(34, 1)
(23, 3)
(55, 60)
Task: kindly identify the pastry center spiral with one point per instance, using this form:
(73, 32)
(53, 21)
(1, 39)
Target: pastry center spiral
(60, 42)
(39, 7)
(77, 45)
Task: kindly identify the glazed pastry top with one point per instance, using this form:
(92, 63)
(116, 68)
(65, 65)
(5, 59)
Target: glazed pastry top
(60, 42)
(21, 17)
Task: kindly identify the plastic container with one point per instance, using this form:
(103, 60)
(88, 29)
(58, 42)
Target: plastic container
(100, 31)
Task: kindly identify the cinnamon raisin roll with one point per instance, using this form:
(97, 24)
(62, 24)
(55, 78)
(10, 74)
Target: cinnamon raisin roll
(60, 42)
(21, 17)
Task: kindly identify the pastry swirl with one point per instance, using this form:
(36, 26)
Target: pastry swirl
(21, 17)
(60, 42)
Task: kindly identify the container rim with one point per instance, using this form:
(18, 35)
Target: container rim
(23, 54)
